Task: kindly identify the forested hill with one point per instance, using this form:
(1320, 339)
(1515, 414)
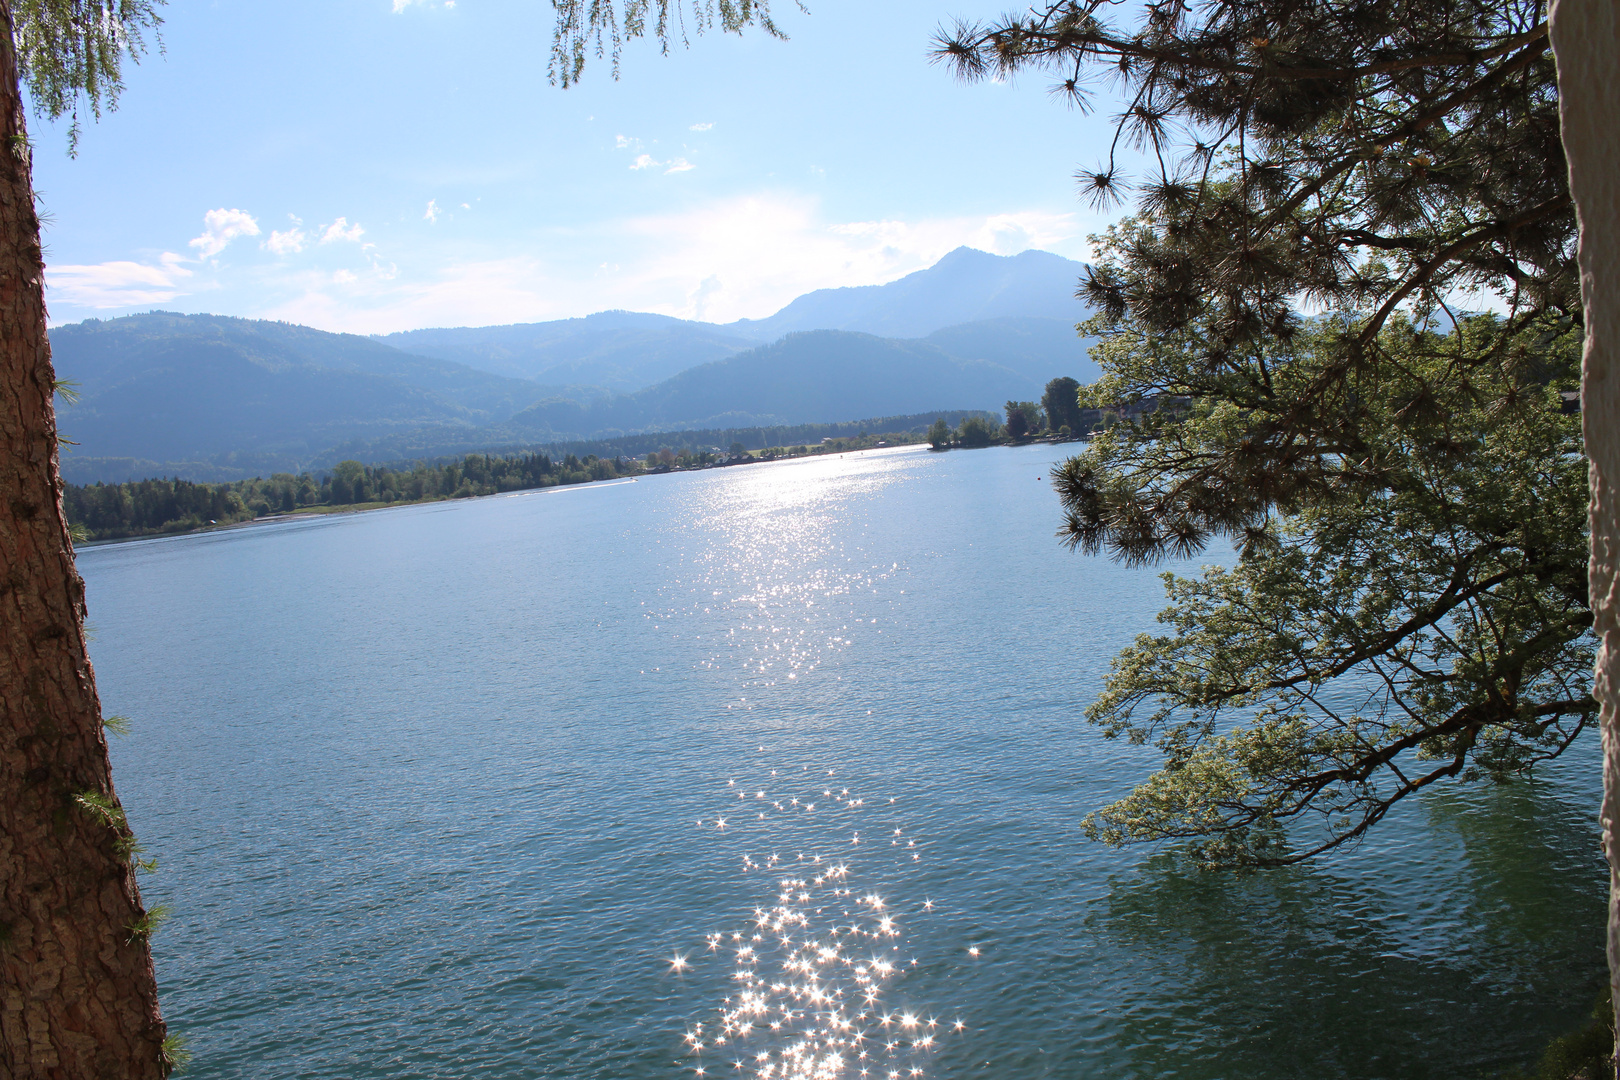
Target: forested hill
(217, 399)
(627, 351)
(213, 398)
(189, 388)
(805, 377)
(619, 350)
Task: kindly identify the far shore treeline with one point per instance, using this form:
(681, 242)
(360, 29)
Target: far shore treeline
(153, 507)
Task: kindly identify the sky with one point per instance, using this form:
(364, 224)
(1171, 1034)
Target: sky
(369, 166)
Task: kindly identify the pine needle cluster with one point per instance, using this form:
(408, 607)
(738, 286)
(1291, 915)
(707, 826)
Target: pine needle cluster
(70, 53)
(602, 27)
(1349, 287)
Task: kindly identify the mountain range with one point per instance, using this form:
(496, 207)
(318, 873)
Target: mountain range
(212, 397)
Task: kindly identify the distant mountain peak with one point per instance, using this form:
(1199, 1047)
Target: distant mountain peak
(963, 254)
(966, 285)
(973, 330)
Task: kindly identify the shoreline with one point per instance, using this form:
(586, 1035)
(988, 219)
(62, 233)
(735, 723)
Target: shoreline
(308, 512)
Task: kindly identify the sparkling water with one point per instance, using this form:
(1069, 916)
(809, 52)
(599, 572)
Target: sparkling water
(768, 771)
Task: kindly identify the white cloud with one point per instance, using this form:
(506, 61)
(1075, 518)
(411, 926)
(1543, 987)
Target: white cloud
(719, 261)
(673, 165)
(342, 230)
(769, 249)
(700, 297)
(999, 234)
(647, 161)
(701, 127)
(290, 242)
(466, 206)
(734, 258)
(118, 284)
(432, 215)
(220, 227)
(518, 289)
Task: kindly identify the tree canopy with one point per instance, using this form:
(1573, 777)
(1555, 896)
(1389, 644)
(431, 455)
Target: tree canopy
(70, 53)
(1336, 190)
(1061, 402)
(1376, 640)
(1023, 419)
(602, 27)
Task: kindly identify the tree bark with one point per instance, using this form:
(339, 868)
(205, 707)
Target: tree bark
(1586, 42)
(78, 997)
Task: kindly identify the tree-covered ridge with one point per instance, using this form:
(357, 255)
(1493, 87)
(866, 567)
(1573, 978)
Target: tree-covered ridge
(806, 377)
(215, 398)
(175, 388)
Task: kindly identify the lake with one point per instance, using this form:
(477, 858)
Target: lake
(537, 785)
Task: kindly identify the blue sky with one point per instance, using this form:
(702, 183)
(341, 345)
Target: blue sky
(380, 165)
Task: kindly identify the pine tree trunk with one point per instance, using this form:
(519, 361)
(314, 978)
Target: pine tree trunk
(1586, 42)
(78, 998)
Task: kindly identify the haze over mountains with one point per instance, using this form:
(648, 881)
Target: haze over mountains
(965, 286)
(619, 350)
(211, 397)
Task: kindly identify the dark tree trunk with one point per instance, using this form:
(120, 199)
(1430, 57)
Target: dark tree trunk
(78, 998)
(1586, 41)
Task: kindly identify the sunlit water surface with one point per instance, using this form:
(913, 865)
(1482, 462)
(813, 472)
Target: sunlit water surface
(771, 771)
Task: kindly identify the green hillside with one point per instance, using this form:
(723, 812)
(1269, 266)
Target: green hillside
(814, 376)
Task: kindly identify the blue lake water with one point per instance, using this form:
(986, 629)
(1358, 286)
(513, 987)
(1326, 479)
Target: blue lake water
(511, 788)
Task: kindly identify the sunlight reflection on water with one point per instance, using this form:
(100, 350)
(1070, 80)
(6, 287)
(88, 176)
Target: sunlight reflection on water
(768, 556)
(437, 793)
(811, 975)
(815, 979)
